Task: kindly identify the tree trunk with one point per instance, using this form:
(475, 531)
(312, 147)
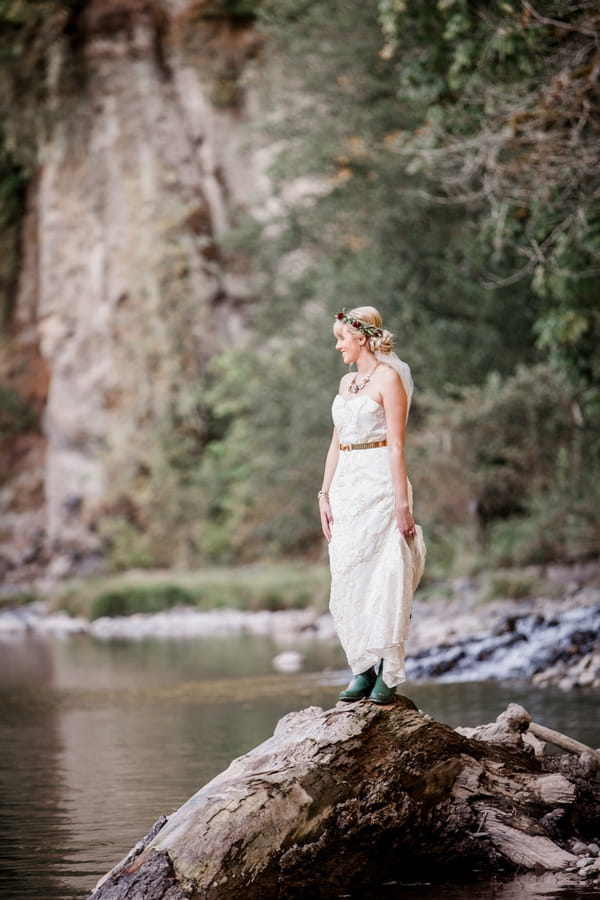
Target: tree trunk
(360, 795)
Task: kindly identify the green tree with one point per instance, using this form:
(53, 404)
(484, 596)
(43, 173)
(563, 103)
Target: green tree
(422, 131)
(511, 118)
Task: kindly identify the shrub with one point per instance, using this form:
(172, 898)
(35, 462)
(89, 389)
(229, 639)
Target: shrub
(16, 416)
(15, 599)
(125, 601)
(505, 474)
(270, 586)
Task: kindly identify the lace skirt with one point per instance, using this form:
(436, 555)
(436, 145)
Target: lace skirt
(374, 570)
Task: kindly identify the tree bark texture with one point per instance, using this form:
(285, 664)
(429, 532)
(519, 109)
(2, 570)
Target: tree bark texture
(360, 795)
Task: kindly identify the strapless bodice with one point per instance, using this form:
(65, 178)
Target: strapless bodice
(358, 420)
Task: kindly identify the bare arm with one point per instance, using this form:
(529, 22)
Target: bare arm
(331, 462)
(395, 406)
(330, 467)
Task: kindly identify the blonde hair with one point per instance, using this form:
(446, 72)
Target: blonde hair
(383, 341)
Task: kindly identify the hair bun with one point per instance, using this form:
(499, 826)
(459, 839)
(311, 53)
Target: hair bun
(383, 343)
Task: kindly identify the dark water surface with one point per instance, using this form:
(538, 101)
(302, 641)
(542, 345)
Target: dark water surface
(99, 738)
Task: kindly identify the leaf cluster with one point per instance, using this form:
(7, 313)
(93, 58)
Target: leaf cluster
(503, 472)
(511, 127)
(16, 414)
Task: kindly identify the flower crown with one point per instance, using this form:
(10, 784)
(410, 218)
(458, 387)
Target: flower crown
(369, 330)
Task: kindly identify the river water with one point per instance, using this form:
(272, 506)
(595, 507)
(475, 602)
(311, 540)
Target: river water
(98, 738)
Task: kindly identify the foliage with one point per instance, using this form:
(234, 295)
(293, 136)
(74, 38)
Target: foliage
(519, 584)
(511, 120)
(125, 544)
(236, 9)
(437, 159)
(16, 415)
(558, 526)
(126, 602)
(418, 195)
(32, 37)
(363, 224)
(369, 228)
(12, 204)
(270, 586)
(15, 598)
(259, 481)
(513, 465)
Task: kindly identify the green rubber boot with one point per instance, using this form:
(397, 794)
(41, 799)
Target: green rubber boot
(360, 686)
(381, 693)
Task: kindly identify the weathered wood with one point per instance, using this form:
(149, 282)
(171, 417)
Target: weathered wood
(356, 796)
(554, 790)
(562, 741)
(514, 726)
(531, 851)
(507, 729)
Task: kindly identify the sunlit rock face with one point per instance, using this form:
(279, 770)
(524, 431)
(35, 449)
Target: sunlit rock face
(125, 287)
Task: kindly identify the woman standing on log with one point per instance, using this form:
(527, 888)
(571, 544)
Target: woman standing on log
(376, 551)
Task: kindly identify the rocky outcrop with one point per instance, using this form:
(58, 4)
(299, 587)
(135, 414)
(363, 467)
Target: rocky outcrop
(125, 289)
(360, 795)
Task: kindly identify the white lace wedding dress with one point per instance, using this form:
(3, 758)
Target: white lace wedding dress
(374, 570)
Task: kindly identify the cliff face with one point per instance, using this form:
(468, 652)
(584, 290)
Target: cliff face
(125, 291)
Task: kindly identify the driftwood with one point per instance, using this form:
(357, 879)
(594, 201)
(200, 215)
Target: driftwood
(561, 740)
(514, 726)
(362, 795)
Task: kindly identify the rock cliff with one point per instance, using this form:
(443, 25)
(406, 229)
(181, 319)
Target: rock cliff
(125, 289)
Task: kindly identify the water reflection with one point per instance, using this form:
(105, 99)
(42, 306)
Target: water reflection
(100, 738)
(473, 703)
(524, 887)
(31, 777)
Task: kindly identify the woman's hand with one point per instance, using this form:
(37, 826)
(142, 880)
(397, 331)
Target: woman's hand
(326, 517)
(406, 523)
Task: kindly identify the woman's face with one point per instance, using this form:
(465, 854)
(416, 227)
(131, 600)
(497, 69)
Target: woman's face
(348, 343)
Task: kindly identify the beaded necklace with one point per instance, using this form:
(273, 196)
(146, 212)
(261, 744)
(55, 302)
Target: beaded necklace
(356, 386)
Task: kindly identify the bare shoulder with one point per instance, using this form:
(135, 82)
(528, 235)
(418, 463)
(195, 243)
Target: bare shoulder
(345, 381)
(386, 375)
(389, 380)
(391, 389)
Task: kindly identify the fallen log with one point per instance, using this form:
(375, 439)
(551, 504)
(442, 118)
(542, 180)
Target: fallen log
(357, 796)
(562, 741)
(514, 726)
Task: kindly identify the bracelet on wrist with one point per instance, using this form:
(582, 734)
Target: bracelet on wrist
(322, 494)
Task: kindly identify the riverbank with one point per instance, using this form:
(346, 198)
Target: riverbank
(466, 629)
(476, 633)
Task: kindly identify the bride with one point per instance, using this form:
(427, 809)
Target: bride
(376, 551)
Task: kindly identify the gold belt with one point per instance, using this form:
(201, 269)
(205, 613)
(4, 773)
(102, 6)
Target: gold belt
(368, 446)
